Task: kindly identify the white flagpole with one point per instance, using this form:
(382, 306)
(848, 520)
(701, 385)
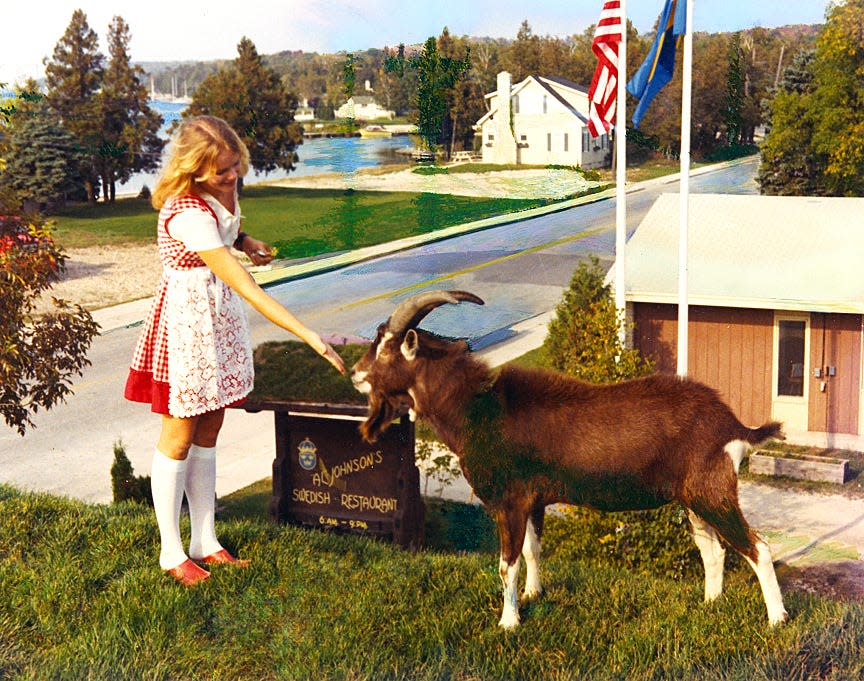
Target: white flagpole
(683, 224)
(620, 176)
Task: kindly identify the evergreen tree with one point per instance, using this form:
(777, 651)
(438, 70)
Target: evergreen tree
(129, 140)
(73, 77)
(436, 77)
(252, 99)
(523, 58)
(583, 338)
(734, 92)
(42, 159)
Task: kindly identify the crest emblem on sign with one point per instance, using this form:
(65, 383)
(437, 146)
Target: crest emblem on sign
(308, 455)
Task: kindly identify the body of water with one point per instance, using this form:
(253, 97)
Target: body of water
(317, 156)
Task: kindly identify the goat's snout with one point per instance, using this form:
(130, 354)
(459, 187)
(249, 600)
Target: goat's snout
(358, 379)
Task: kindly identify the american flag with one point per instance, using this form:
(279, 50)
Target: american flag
(602, 94)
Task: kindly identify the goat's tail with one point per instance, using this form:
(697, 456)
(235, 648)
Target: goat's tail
(772, 429)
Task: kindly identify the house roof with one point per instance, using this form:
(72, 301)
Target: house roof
(545, 82)
(767, 252)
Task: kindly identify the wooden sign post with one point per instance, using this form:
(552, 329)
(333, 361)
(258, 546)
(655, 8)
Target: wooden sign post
(326, 476)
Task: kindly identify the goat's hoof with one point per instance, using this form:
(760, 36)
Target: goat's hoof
(777, 620)
(509, 621)
(530, 595)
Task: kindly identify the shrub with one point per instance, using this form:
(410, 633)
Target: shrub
(583, 341)
(583, 337)
(125, 485)
(38, 354)
(657, 541)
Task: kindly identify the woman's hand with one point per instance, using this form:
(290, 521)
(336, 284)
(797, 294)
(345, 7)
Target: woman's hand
(333, 357)
(259, 252)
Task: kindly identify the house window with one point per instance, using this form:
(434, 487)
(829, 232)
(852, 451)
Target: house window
(586, 140)
(516, 104)
(548, 141)
(566, 142)
(545, 103)
(790, 358)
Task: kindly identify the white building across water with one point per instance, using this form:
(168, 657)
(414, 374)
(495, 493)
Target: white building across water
(540, 121)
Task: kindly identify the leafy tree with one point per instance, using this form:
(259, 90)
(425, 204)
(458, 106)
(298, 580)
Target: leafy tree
(814, 146)
(838, 133)
(252, 99)
(129, 140)
(789, 165)
(38, 355)
(583, 338)
(436, 77)
(42, 158)
(73, 77)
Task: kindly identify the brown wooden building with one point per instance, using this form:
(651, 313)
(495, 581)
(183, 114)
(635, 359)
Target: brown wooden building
(776, 293)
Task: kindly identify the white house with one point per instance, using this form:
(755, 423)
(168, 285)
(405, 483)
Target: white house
(363, 107)
(540, 121)
(304, 112)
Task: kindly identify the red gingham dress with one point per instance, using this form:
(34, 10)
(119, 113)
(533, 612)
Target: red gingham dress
(194, 354)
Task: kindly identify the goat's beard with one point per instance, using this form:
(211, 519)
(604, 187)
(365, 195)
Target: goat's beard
(382, 410)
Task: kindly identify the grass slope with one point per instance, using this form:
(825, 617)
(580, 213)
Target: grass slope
(82, 596)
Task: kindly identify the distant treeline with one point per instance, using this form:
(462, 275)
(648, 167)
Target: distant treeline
(760, 59)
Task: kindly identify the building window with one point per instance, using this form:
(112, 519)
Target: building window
(545, 103)
(516, 104)
(586, 140)
(790, 358)
(566, 142)
(548, 141)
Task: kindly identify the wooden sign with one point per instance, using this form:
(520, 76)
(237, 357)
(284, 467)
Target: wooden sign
(326, 476)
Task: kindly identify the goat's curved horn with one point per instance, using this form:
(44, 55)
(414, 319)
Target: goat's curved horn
(409, 313)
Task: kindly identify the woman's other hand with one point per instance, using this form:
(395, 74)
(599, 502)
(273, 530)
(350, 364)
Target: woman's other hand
(259, 252)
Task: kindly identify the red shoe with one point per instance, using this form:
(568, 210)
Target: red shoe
(188, 573)
(222, 557)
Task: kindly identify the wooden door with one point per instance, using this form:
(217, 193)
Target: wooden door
(835, 361)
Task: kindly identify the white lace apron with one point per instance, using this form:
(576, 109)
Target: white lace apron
(209, 348)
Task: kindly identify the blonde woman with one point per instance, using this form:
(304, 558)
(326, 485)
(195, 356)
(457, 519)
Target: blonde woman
(194, 357)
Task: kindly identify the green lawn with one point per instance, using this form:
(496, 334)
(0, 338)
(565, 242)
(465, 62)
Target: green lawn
(82, 596)
(300, 222)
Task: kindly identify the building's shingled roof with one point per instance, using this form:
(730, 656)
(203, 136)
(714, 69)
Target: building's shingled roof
(766, 252)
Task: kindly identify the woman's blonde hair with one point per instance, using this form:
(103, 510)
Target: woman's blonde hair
(194, 149)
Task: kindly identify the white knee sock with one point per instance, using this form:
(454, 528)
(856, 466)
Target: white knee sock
(167, 478)
(201, 493)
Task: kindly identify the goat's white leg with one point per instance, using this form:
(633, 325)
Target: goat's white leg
(510, 581)
(531, 552)
(763, 566)
(713, 555)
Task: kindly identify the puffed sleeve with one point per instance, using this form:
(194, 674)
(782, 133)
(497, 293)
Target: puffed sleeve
(197, 229)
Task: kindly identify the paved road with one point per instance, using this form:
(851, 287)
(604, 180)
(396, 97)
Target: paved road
(519, 269)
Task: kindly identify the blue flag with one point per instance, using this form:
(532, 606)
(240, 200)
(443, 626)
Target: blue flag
(659, 65)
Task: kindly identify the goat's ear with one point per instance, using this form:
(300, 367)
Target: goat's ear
(409, 345)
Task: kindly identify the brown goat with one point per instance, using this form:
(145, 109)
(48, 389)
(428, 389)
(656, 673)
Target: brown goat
(529, 438)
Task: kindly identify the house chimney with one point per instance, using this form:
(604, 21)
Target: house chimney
(505, 141)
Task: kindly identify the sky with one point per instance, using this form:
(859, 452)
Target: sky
(189, 30)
